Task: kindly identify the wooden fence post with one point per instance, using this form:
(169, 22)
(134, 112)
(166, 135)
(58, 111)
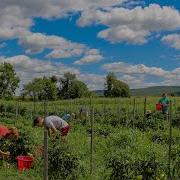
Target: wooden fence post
(34, 107)
(134, 111)
(17, 111)
(45, 146)
(145, 107)
(170, 140)
(5, 110)
(45, 154)
(91, 158)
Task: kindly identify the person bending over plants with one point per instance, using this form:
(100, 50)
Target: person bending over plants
(54, 124)
(6, 132)
(148, 114)
(164, 101)
(84, 112)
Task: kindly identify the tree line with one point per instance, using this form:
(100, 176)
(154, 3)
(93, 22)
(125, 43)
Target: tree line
(53, 88)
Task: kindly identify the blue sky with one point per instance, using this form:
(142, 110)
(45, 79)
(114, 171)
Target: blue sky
(137, 40)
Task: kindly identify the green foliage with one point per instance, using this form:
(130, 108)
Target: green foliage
(62, 163)
(176, 120)
(41, 89)
(22, 146)
(9, 81)
(71, 88)
(77, 89)
(115, 88)
(125, 165)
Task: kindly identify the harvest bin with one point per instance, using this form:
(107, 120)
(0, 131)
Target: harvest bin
(24, 162)
(158, 107)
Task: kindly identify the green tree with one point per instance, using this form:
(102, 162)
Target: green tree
(70, 87)
(9, 81)
(115, 87)
(41, 89)
(54, 79)
(77, 89)
(110, 80)
(65, 83)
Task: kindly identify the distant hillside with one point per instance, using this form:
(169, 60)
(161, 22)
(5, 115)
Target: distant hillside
(156, 91)
(99, 92)
(150, 91)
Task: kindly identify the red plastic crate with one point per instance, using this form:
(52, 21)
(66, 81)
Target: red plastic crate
(24, 162)
(158, 107)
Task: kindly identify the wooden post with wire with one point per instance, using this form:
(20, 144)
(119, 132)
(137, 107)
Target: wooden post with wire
(91, 144)
(134, 111)
(145, 108)
(34, 106)
(5, 110)
(175, 107)
(17, 112)
(145, 105)
(170, 140)
(45, 146)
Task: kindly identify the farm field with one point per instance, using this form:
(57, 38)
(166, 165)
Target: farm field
(115, 142)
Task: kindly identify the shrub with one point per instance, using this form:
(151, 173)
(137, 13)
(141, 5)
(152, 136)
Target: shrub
(22, 146)
(63, 164)
(126, 167)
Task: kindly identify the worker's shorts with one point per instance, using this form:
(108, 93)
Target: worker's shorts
(65, 130)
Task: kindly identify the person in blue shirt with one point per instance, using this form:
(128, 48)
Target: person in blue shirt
(66, 117)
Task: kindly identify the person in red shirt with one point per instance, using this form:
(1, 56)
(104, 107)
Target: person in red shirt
(6, 132)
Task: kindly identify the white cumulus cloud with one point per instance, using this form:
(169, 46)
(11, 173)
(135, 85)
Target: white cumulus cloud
(132, 25)
(140, 75)
(172, 40)
(125, 68)
(90, 56)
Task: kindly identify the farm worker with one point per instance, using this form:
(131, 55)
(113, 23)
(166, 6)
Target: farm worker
(148, 114)
(6, 132)
(164, 101)
(84, 112)
(66, 117)
(74, 115)
(54, 124)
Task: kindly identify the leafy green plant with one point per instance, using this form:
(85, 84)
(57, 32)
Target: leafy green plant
(63, 164)
(21, 146)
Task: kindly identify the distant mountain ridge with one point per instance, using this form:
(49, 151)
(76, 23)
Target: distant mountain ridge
(150, 91)
(156, 91)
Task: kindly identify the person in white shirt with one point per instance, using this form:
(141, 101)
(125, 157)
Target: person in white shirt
(54, 124)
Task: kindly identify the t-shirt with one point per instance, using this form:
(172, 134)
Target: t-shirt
(66, 117)
(164, 101)
(55, 122)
